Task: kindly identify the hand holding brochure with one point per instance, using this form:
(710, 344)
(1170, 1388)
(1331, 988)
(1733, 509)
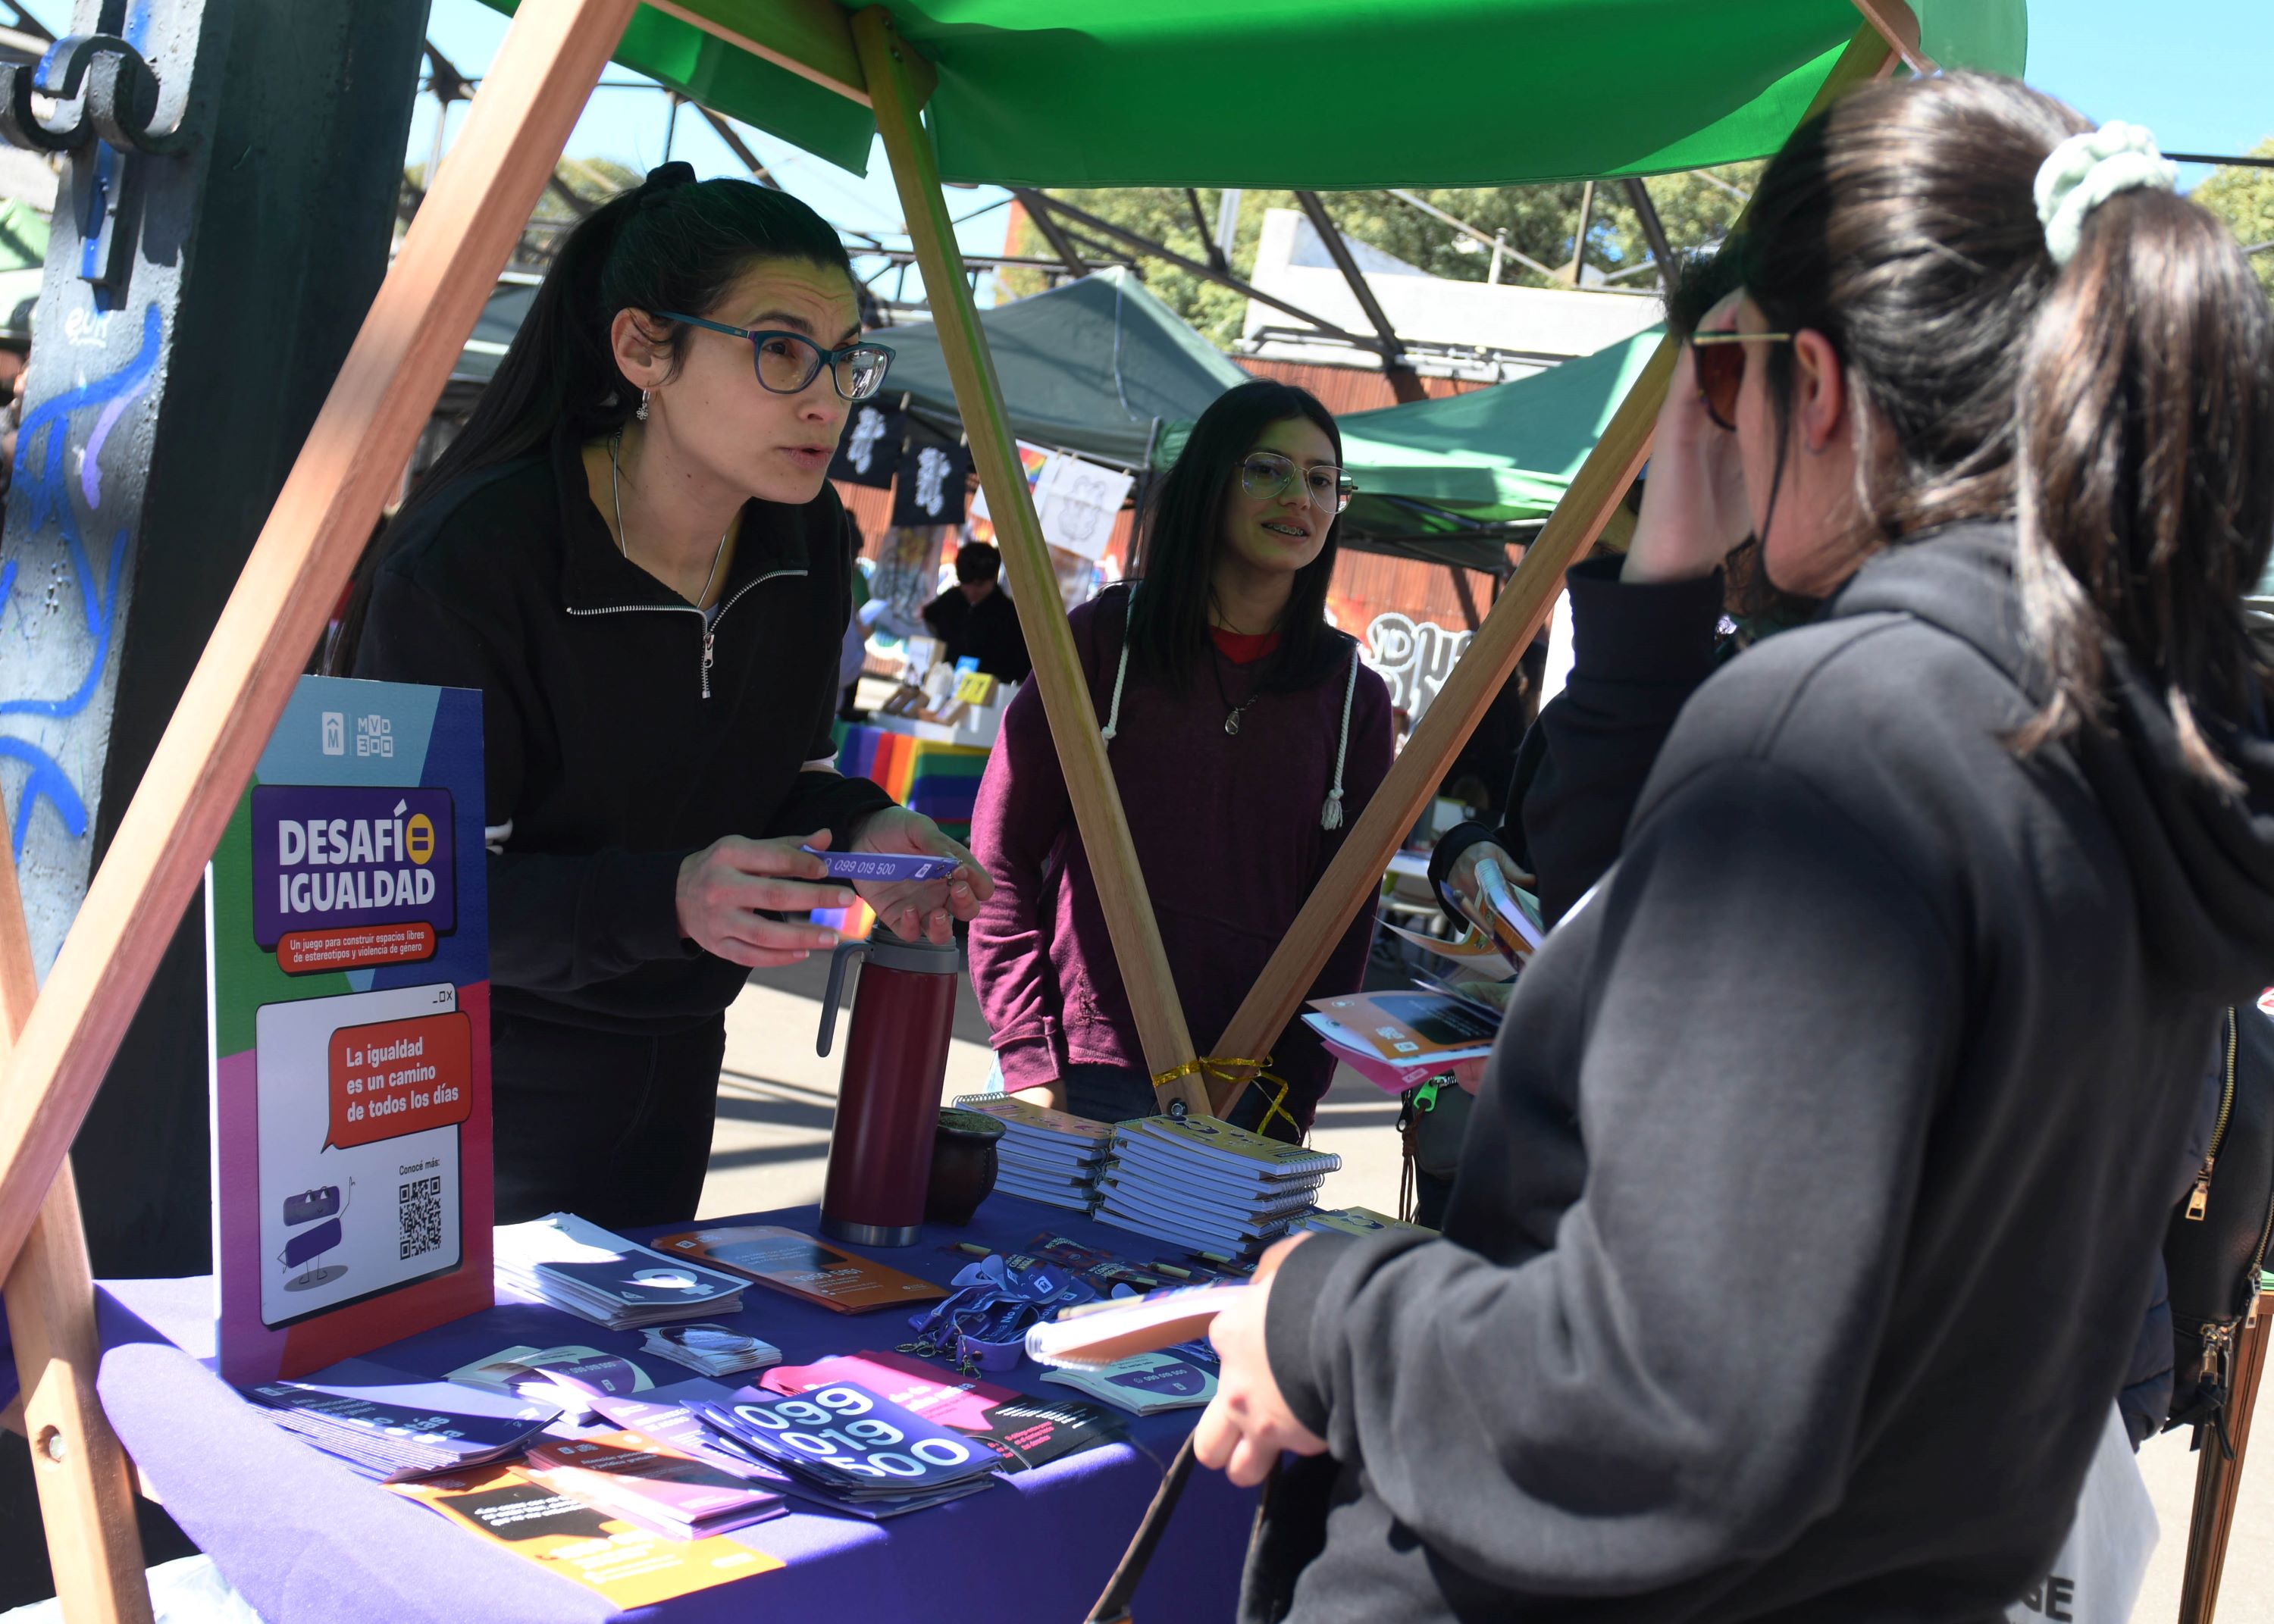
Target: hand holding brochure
(883, 867)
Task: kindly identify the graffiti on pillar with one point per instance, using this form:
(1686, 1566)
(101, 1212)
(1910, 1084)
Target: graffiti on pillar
(58, 468)
(1414, 658)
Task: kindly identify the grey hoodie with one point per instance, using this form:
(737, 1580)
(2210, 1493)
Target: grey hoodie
(1812, 1200)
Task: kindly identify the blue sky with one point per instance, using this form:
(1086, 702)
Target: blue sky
(2200, 73)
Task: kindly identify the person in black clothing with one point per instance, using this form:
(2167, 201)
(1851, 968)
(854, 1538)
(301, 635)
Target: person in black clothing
(632, 550)
(973, 618)
(1815, 1188)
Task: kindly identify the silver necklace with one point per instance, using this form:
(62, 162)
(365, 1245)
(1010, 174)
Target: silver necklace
(623, 541)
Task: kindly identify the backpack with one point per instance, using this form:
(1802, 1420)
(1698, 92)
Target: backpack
(2216, 1242)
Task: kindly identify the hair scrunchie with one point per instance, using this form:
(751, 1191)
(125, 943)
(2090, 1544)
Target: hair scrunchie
(664, 178)
(2086, 171)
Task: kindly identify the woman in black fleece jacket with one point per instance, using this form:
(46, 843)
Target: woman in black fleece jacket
(1812, 1199)
(633, 551)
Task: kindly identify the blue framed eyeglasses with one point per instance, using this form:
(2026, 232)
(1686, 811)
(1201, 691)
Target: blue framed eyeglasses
(787, 362)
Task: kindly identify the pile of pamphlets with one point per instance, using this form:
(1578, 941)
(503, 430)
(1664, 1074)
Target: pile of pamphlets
(849, 1449)
(1206, 1185)
(1144, 1384)
(390, 1426)
(585, 1270)
(713, 1349)
(652, 1486)
(1401, 1039)
(1044, 1156)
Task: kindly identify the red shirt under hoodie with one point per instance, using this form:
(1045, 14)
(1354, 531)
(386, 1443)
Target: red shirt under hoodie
(1227, 829)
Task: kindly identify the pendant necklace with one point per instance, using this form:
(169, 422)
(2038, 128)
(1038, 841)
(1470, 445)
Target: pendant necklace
(1231, 711)
(624, 542)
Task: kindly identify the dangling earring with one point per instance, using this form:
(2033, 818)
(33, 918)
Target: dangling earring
(642, 413)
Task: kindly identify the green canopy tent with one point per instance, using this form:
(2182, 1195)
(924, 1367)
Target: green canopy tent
(1037, 92)
(1506, 453)
(23, 253)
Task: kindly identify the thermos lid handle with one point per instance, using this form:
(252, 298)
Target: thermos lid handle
(829, 999)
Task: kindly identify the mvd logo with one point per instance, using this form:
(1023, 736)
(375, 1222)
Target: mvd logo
(335, 733)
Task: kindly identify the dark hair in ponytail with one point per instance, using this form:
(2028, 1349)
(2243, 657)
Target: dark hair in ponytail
(2120, 408)
(671, 242)
(1184, 527)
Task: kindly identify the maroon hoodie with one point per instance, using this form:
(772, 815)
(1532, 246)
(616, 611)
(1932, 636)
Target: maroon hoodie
(1228, 831)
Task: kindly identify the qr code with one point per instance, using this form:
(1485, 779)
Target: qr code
(421, 1216)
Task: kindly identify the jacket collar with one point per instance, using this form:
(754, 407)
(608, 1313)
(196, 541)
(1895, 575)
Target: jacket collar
(595, 576)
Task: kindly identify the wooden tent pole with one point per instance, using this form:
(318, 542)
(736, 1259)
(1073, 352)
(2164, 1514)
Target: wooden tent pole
(1128, 907)
(547, 67)
(1595, 490)
(86, 1488)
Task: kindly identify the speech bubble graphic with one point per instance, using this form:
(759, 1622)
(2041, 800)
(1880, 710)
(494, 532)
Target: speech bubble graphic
(396, 1077)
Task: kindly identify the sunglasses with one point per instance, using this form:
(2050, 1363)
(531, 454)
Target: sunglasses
(787, 362)
(1266, 474)
(1720, 360)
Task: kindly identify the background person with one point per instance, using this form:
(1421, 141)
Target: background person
(1243, 734)
(633, 552)
(1865, 1066)
(974, 620)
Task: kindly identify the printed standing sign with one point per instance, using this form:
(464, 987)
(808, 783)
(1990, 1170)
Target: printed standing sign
(348, 965)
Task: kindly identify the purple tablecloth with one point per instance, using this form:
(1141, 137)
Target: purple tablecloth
(304, 1538)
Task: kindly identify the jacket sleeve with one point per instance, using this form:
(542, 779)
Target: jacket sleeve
(557, 921)
(1638, 653)
(1021, 809)
(1673, 1384)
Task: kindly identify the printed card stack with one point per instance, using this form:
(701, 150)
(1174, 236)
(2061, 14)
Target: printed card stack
(1044, 1156)
(1208, 1186)
(849, 1449)
(585, 1270)
(713, 1349)
(392, 1427)
(1398, 1040)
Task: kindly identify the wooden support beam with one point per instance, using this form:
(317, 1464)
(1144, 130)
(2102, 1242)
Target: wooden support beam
(1898, 25)
(1594, 493)
(813, 39)
(2218, 1480)
(1121, 891)
(85, 1487)
(550, 58)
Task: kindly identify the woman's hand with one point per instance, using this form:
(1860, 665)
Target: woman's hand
(913, 908)
(1693, 504)
(723, 889)
(1247, 1422)
(1461, 878)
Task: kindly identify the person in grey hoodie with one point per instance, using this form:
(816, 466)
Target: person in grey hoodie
(1814, 1194)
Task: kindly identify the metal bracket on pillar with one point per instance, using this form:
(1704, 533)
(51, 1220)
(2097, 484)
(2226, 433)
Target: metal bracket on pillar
(107, 96)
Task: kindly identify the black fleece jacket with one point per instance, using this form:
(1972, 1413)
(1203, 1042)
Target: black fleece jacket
(1812, 1200)
(621, 733)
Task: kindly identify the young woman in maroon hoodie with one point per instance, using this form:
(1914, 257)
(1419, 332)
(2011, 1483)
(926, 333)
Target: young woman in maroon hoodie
(1245, 736)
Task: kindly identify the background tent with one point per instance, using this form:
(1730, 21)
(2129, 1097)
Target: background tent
(1503, 454)
(23, 253)
(1078, 93)
(1087, 366)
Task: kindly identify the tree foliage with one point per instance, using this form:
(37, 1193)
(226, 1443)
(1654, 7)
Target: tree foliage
(1697, 210)
(2244, 199)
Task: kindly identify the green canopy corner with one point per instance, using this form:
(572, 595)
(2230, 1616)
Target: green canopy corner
(1392, 92)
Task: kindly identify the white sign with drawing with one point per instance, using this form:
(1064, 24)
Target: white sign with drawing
(1077, 501)
(1414, 659)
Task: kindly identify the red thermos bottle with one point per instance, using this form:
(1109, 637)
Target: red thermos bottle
(888, 1098)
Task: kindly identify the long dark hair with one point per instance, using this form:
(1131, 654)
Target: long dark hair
(671, 242)
(1183, 526)
(2119, 409)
